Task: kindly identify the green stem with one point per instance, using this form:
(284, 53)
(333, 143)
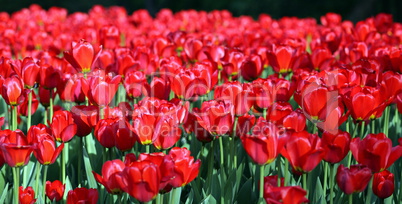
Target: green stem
(44, 181)
(286, 172)
(362, 130)
(51, 104)
(233, 144)
(325, 181)
(304, 176)
(350, 198)
(101, 113)
(158, 198)
(119, 198)
(210, 168)
(331, 183)
(261, 192)
(176, 195)
(15, 116)
(16, 177)
(147, 149)
(29, 110)
(386, 123)
(219, 77)
(264, 113)
(37, 170)
(370, 190)
(223, 179)
(64, 152)
(80, 155)
(372, 125)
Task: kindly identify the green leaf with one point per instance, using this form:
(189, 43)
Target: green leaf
(4, 194)
(88, 170)
(209, 200)
(245, 192)
(318, 192)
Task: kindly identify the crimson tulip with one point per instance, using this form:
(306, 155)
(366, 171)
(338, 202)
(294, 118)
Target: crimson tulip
(55, 190)
(109, 36)
(240, 95)
(15, 148)
(82, 195)
(13, 91)
(377, 146)
(23, 107)
(185, 168)
(295, 121)
(383, 184)
(216, 116)
(49, 76)
(282, 58)
(265, 142)
(134, 81)
(82, 56)
(252, 67)
(285, 195)
(70, 89)
(140, 180)
(110, 170)
(303, 150)
(28, 70)
(159, 88)
(112, 132)
(27, 195)
(336, 146)
(63, 126)
(353, 179)
(46, 152)
(85, 117)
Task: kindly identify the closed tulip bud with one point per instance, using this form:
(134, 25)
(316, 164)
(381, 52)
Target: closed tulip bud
(82, 195)
(27, 195)
(383, 184)
(63, 126)
(336, 146)
(353, 179)
(110, 170)
(55, 190)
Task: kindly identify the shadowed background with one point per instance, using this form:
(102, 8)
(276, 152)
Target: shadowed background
(354, 10)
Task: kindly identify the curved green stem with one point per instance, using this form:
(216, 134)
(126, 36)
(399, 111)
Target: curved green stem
(233, 149)
(44, 181)
(304, 177)
(29, 116)
(16, 177)
(386, 122)
(370, 190)
(362, 130)
(325, 181)
(176, 193)
(37, 170)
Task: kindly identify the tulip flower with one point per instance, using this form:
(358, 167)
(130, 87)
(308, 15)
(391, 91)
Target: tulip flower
(85, 117)
(46, 152)
(82, 56)
(15, 148)
(303, 150)
(377, 146)
(191, 125)
(38, 133)
(140, 180)
(185, 168)
(295, 121)
(110, 170)
(265, 143)
(134, 81)
(252, 67)
(23, 107)
(55, 190)
(169, 132)
(70, 89)
(112, 132)
(13, 91)
(282, 58)
(285, 195)
(50, 77)
(240, 95)
(188, 83)
(100, 87)
(28, 70)
(82, 195)
(353, 179)
(216, 116)
(27, 195)
(383, 184)
(63, 126)
(159, 88)
(109, 36)
(336, 146)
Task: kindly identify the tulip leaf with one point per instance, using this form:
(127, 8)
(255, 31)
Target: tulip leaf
(318, 192)
(190, 198)
(68, 187)
(209, 200)
(245, 192)
(4, 194)
(88, 170)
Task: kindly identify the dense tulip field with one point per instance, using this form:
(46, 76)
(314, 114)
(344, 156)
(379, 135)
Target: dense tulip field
(198, 107)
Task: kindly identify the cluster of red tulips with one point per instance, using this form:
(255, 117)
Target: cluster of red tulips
(277, 111)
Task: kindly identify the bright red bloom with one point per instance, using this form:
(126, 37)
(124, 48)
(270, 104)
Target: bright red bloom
(169, 132)
(55, 190)
(49, 76)
(110, 170)
(27, 195)
(354, 179)
(185, 168)
(100, 87)
(375, 151)
(46, 152)
(140, 180)
(105, 132)
(252, 67)
(112, 132)
(321, 58)
(13, 91)
(188, 83)
(282, 58)
(134, 82)
(191, 125)
(267, 91)
(278, 111)
(82, 195)
(303, 150)
(240, 95)
(216, 116)
(265, 143)
(71, 89)
(336, 146)
(85, 117)
(295, 121)
(285, 195)
(15, 148)
(28, 71)
(244, 124)
(383, 184)
(158, 88)
(23, 107)
(82, 56)
(109, 36)
(63, 126)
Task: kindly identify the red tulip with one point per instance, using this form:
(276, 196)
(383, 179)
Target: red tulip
(63, 126)
(281, 58)
(82, 195)
(23, 108)
(169, 132)
(216, 116)
(46, 152)
(85, 117)
(336, 146)
(44, 96)
(100, 88)
(267, 91)
(49, 76)
(383, 184)
(354, 179)
(303, 150)
(13, 91)
(188, 83)
(158, 88)
(240, 95)
(375, 151)
(192, 125)
(70, 89)
(185, 168)
(27, 195)
(28, 71)
(82, 56)
(278, 111)
(112, 132)
(265, 142)
(15, 148)
(134, 81)
(110, 170)
(285, 195)
(244, 124)
(109, 36)
(295, 121)
(55, 190)
(252, 67)
(140, 180)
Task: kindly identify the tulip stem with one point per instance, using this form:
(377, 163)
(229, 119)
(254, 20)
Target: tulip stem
(63, 163)
(80, 155)
(147, 149)
(372, 124)
(351, 198)
(233, 144)
(362, 130)
(264, 113)
(16, 175)
(386, 122)
(51, 105)
(37, 169)
(158, 198)
(44, 182)
(261, 189)
(14, 115)
(210, 168)
(176, 193)
(304, 177)
(325, 181)
(222, 179)
(286, 172)
(370, 190)
(331, 183)
(29, 117)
